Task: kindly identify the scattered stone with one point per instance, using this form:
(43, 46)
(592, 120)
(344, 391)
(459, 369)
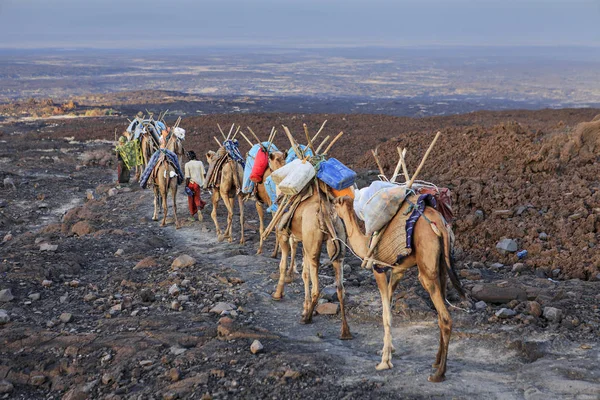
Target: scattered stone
(46, 283)
(82, 228)
(5, 386)
(176, 350)
(471, 274)
(480, 305)
(63, 299)
(35, 296)
(543, 236)
(48, 247)
(66, 317)
(147, 296)
(256, 347)
(148, 262)
(329, 293)
(555, 272)
(117, 308)
(174, 375)
(107, 378)
(119, 252)
(222, 306)
(6, 296)
(186, 282)
(553, 314)
(4, 318)
(74, 283)
(146, 363)
(175, 305)
(183, 298)
(174, 290)
(89, 297)
(499, 295)
(89, 194)
(7, 238)
(518, 267)
(497, 266)
(507, 246)
(504, 313)
(37, 380)
(328, 309)
(183, 261)
(112, 192)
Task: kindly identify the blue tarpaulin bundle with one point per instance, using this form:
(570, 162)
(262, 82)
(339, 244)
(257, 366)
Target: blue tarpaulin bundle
(248, 185)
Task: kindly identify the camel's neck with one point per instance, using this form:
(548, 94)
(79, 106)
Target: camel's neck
(356, 239)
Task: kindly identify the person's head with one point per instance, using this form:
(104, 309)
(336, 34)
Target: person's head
(191, 155)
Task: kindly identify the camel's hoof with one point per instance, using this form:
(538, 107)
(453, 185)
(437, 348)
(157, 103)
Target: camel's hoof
(384, 365)
(243, 241)
(306, 321)
(154, 218)
(163, 224)
(276, 297)
(259, 252)
(220, 238)
(289, 279)
(393, 349)
(346, 336)
(436, 378)
(177, 226)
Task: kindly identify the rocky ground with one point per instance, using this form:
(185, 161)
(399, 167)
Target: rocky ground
(98, 301)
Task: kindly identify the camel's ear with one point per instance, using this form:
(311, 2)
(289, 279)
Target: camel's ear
(285, 154)
(271, 156)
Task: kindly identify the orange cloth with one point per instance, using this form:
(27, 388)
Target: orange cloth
(349, 191)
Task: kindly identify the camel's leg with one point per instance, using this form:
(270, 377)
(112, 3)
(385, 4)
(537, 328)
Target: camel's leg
(261, 220)
(285, 249)
(241, 203)
(293, 268)
(215, 201)
(443, 281)
(274, 253)
(339, 284)
(306, 280)
(163, 195)
(386, 353)
(430, 280)
(156, 202)
(312, 252)
(173, 184)
(229, 205)
(395, 276)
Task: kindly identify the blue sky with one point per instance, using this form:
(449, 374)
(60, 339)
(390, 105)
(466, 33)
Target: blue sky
(182, 23)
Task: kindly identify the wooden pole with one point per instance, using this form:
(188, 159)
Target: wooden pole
(293, 142)
(246, 137)
(236, 132)
(320, 129)
(254, 134)
(335, 139)
(217, 140)
(412, 180)
(377, 162)
(404, 168)
(321, 145)
(230, 130)
(222, 133)
(308, 139)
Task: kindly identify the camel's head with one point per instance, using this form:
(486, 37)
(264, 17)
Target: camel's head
(277, 160)
(344, 206)
(210, 155)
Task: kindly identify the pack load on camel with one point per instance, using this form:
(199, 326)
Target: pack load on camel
(404, 229)
(257, 162)
(305, 214)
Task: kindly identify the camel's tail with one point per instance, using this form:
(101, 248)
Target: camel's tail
(448, 261)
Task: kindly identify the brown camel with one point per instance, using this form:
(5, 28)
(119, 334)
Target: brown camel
(229, 186)
(164, 177)
(429, 252)
(307, 226)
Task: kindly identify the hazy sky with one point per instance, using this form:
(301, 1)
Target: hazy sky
(178, 23)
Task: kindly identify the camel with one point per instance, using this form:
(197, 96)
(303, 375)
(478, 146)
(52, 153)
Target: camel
(429, 252)
(164, 177)
(307, 226)
(228, 188)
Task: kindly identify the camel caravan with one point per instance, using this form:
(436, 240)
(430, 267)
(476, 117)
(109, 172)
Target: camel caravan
(392, 225)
